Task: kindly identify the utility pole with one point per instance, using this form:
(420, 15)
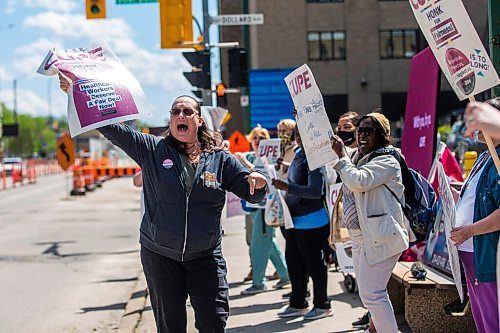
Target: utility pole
(14, 90)
(207, 93)
(494, 38)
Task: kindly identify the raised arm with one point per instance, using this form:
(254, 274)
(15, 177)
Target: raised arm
(237, 179)
(375, 173)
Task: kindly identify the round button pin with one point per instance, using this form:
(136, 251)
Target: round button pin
(167, 164)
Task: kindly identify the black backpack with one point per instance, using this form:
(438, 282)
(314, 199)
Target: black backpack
(420, 197)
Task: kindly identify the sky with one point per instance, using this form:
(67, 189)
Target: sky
(30, 28)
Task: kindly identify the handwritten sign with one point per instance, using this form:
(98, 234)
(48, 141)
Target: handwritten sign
(270, 150)
(456, 46)
(313, 123)
(449, 222)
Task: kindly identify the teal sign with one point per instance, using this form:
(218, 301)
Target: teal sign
(132, 2)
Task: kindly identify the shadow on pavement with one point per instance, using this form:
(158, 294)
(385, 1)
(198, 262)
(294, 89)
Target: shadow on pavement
(278, 325)
(255, 308)
(116, 306)
(118, 280)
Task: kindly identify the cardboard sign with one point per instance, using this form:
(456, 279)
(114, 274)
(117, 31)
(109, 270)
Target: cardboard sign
(65, 152)
(456, 46)
(314, 126)
(238, 143)
(420, 117)
(269, 150)
(344, 256)
(449, 222)
(333, 194)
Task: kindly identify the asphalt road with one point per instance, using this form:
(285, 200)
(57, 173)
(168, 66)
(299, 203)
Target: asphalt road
(67, 264)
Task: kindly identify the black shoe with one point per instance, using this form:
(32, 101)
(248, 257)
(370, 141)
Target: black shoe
(363, 321)
(289, 294)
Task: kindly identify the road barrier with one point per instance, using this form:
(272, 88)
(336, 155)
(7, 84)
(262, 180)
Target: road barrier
(88, 177)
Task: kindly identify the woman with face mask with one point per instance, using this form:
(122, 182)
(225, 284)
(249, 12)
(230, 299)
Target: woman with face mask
(377, 227)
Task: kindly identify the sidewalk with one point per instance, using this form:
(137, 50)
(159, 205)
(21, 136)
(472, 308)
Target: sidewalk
(253, 313)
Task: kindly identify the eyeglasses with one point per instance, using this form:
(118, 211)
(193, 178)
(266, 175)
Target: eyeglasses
(366, 130)
(186, 112)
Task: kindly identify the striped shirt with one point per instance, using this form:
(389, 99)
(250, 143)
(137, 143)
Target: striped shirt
(350, 215)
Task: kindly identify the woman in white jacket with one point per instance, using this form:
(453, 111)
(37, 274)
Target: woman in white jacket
(382, 233)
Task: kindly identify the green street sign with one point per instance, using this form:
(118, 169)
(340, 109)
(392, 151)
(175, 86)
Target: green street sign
(133, 2)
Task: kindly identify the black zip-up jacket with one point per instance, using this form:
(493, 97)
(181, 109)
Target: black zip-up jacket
(176, 224)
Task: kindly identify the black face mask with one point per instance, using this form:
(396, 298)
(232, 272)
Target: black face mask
(347, 137)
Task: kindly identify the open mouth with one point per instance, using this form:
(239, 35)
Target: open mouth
(362, 143)
(182, 128)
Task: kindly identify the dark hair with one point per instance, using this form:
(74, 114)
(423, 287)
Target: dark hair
(351, 114)
(385, 139)
(210, 140)
(494, 102)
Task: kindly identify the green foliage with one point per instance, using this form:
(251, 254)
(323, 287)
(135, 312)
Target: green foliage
(36, 134)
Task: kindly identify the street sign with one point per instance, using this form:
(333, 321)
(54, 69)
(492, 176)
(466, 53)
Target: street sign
(244, 101)
(131, 2)
(239, 19)
(65, 152)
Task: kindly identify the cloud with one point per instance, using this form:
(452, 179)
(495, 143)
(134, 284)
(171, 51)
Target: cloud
(77, 26)
(4, 76)
(55, 5)
(32, 55)
(27, 102)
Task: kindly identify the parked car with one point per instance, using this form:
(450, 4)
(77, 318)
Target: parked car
(9, 163)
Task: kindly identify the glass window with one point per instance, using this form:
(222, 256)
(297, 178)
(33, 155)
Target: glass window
(326, 45)
(400, 43)
(410, 43)
(314, 48)
(339, 44)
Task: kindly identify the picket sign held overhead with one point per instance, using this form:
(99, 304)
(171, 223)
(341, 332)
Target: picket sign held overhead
(313, 123)
(458, 50)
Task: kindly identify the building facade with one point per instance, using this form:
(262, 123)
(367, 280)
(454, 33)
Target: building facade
(359, 50)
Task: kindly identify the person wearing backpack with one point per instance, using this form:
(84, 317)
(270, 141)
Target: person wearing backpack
(383, 235)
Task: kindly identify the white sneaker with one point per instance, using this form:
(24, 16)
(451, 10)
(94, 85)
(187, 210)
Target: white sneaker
(317, 313)
(292, 312)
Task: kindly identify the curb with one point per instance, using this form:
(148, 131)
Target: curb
(135, 306)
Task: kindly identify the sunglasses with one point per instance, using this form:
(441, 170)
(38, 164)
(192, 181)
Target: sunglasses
(366, 130)
(186, 112)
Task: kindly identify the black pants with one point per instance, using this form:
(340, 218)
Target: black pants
(306, 254)
(171, 281)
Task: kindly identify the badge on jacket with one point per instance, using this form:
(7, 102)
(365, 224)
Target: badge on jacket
(210, 180)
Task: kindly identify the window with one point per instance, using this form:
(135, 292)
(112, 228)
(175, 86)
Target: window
(326, 45)
(400, 43)
(335, 106)
(323, 1)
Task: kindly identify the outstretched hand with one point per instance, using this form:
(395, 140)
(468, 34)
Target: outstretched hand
(256, 181)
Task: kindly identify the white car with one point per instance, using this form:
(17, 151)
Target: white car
(9, 163)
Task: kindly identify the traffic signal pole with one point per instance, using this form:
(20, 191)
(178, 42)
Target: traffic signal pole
(207, 93)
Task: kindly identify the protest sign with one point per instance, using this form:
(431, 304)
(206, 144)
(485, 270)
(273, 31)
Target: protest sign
(313, 123)
(333, 194)
(213, 116)
(420, 116)
(102, 91)
(270, 150)
(456, 46)
(449, 222)
(344, 256)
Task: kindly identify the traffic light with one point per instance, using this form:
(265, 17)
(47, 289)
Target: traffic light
(238, 67)
(200, 75)
(176, 23)
(96, 9)
(220, 90)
